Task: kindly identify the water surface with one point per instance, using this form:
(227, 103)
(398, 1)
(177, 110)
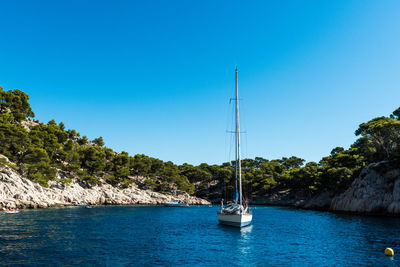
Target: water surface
(152, 235)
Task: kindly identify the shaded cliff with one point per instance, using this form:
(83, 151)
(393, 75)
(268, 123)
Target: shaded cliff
(375, 191)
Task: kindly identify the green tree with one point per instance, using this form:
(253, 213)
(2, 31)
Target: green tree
(61, 126)
(93, 159)
(337, 150)
(382, 134)
(140, 165)
(41, 172)
(16, 102)
(14, 141)
(396, 114)
(36, 155)
(99, 141)
(292, 162)
(84, 140)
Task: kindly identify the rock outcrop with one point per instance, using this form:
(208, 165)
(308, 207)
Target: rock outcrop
(375, 191)
(286, 197)
(17, 191)
(28, 123)
(321, 201)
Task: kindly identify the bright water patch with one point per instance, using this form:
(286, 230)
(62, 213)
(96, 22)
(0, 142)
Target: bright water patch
(149, 235)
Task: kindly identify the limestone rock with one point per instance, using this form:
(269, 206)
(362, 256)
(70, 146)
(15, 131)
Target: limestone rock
(17, 191)
(375, 191)
(321, 201)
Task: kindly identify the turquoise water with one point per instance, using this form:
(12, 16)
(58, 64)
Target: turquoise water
(151, 235)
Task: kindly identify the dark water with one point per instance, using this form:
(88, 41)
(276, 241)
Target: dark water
(137, 236)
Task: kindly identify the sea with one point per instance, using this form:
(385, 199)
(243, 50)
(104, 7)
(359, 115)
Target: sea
(161, 236)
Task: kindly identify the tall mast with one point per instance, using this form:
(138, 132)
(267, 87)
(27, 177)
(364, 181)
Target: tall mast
(237, 139)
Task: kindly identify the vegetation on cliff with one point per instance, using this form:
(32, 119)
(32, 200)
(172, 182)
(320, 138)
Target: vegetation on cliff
(39, 150)
(379, 139)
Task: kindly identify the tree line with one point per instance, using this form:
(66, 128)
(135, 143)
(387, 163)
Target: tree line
(42, 150)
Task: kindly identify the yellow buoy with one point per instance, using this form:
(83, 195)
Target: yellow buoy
(389, 252)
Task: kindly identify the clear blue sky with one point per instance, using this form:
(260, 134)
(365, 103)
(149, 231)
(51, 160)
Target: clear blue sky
(155, 77)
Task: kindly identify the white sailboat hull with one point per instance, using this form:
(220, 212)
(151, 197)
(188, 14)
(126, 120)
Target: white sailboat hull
(237, 220)
(169, 204)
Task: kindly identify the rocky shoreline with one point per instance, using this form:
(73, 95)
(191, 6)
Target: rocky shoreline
(19, 192)
(375, 192)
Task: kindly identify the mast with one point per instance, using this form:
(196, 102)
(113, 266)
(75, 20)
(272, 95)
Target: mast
(236, 136)
(237, 141)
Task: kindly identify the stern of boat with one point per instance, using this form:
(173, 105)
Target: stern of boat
(237, 220)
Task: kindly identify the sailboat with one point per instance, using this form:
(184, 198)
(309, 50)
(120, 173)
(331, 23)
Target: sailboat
(235, 213)
(176, 203)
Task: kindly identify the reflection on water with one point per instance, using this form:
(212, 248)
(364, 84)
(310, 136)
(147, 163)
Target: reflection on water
(134, 235)
(245, 230)
(239, 233)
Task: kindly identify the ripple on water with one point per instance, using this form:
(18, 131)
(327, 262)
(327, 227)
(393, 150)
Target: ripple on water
(142, 235)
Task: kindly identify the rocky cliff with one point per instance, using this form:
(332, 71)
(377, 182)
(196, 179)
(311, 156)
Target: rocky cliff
(17, 191)
(375, 191)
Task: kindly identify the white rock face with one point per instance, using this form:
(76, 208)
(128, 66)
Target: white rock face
(17, 191)
(28, 123)
(372, 193)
